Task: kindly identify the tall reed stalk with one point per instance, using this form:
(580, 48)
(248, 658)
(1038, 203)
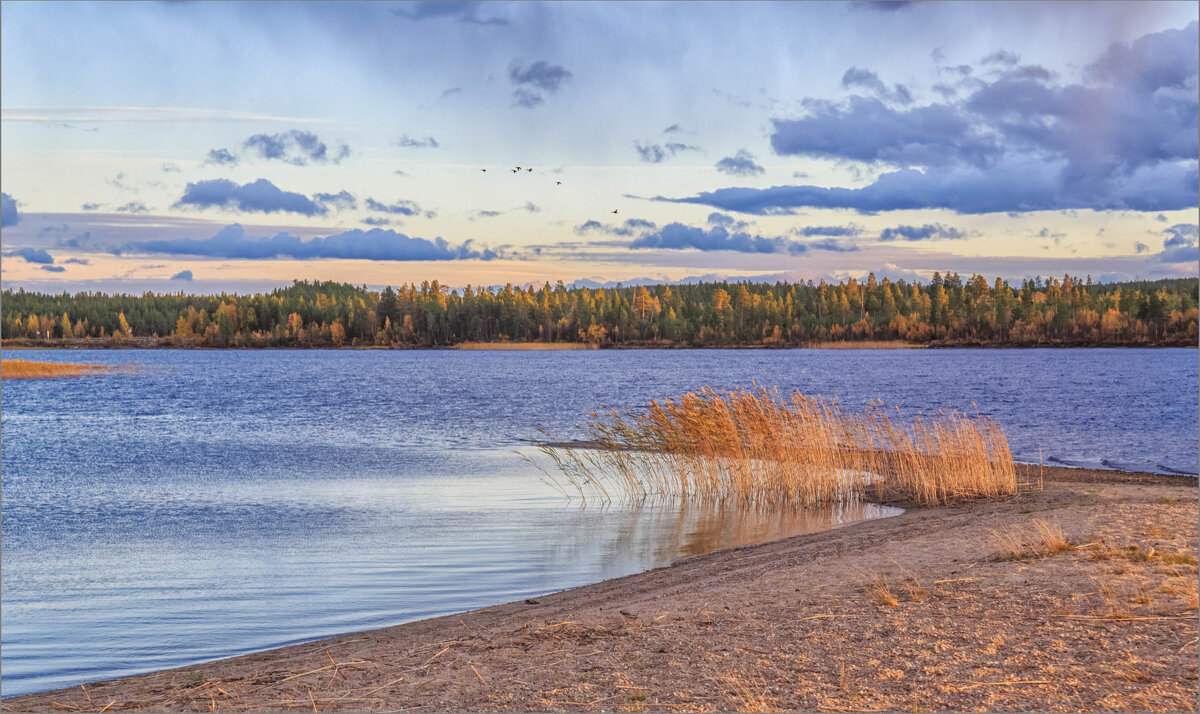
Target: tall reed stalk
(760, 447)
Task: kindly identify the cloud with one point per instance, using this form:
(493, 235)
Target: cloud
(376, 244)
(373, 221)
(133, 207)
(403, 208)
(626, 230)
(259, 196)
(220, 157)
(531, 207)
(32, 255)
(9, 215)
(1011, 186)
(90, 206)
(723, 233)
(656, 154)
(865, 78)
(1125, 139)
(410, 143)
(295, 147)
(54, 269)
(741, 164)
(170, 168)
(460, 10)
(882, 5)
(1180, 244)
(342, 200)
(837, 231)
(535, 81)
(674, 128)
(75, 261)
(929, 231)
(183, 275)
(1003, 57)
(1140, 247)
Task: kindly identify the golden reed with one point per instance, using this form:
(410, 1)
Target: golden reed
(28, 369)
(760, 447)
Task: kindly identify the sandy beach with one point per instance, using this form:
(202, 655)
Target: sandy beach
(962, 608)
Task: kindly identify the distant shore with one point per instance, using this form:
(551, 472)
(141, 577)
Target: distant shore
(969, 607)
(106, 343)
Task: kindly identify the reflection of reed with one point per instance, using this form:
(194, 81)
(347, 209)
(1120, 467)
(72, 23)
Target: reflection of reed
(759, 447)
(654, 533)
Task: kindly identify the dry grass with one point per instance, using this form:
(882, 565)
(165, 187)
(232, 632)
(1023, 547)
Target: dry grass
(760, 447)
(880, 592)
(28, 369)
(1047, 539)
(744, 693)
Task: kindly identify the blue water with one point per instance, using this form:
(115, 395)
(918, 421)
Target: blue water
(216, 503)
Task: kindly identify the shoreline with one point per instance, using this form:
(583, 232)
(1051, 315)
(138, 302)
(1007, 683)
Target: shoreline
(151, 343)
(914, 611)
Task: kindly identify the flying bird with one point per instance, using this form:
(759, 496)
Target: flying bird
(529, 170)
(483, 170)
(514, 171)
(614, 210)
(558, 183)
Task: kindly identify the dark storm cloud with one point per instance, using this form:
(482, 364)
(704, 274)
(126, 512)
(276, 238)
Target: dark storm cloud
(722, 233)
(260, 196)
(537, 80)
(220, 157)
(32, 255)
(929, 231)
(9, 215)
(402, 208)
(836, 231)
(631, 227)
(1180, 244)
(740, 164)
(375, 244)
(408, 142)
(342, 200)
(294, 147)
(54, 268)
(461, 10)
(657, 153)
(1125, 139)
(866, 79)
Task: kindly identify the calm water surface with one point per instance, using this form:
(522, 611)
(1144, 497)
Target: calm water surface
(216, 503)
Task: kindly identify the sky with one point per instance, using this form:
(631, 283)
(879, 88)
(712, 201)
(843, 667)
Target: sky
(235, 147)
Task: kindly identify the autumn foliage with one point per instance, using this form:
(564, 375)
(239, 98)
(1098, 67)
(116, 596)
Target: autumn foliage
(947, 310)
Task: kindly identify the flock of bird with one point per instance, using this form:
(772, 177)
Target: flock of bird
(518, 169)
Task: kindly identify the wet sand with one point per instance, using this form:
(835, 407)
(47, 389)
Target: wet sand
(929, 610)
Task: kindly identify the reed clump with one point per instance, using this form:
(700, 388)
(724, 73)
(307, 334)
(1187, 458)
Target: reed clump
(762, 447)
(29, 369)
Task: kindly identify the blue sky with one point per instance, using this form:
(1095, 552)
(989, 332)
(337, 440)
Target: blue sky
(237, 146)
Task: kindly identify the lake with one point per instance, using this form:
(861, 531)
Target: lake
(220, 502)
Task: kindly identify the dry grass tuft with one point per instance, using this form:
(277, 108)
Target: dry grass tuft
(1010, 544)
(915, 591)
(1052, 539)
(29, 369)
(741, 692)
(761, 447)
(879, 591)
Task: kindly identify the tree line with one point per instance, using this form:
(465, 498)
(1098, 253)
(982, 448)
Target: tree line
(947, 310)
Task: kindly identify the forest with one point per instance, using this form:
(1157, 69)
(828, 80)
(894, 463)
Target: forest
(948, 310)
